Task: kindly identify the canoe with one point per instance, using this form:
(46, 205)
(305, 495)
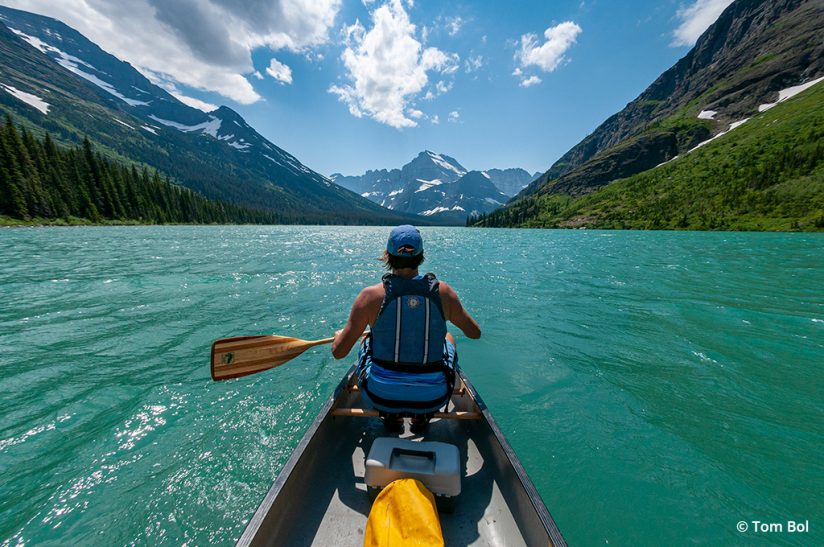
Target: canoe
(320, 498)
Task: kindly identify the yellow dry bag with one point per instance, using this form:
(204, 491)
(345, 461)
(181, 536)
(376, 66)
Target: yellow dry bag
(403, 515)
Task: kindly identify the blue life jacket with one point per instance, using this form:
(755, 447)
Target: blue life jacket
(410, 329)
(406, 364)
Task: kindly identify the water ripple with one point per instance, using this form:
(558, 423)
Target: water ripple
(674, 373)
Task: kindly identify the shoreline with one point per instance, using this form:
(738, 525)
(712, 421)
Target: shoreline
(7, 222)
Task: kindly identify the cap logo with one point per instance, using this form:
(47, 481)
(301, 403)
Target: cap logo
(413, 303)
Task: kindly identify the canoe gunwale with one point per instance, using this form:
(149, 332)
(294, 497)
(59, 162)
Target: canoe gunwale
(534, 497)
(283, 475)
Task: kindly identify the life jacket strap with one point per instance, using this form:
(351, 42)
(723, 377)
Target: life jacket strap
(393, 403)
(417, 368)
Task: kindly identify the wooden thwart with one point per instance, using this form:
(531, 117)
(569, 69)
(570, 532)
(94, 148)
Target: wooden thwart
(459, 390)
(369, 413)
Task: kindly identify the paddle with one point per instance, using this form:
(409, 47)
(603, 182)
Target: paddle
(242, 355)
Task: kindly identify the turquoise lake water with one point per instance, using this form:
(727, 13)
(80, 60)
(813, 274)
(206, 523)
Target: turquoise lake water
(658, 387)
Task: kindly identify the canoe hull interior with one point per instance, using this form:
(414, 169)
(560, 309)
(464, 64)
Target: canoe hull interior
(319, 497)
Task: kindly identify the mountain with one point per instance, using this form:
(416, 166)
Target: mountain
(510, 181)
(436, 186)
(753, 55)
(88, 92)
(767, 174)
(41, 183)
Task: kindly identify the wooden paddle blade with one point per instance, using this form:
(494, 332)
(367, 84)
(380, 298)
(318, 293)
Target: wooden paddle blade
(236, 357)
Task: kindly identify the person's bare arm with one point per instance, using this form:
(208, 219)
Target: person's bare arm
(363, 313)
(455, 312)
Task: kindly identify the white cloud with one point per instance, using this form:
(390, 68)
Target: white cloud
(532, 80)
(435, 119)
(417, 114)
(695, 19)
(443, 87)
(257, 75)
(195, 103)
(452, 64)
(454, 116)
(453, 25)
(279, 72)
(549, 55)
(387, 66)
(176, 93)
(474, 63)
(204, 44)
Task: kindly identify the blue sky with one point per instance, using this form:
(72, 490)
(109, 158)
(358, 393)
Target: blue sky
(351, 85)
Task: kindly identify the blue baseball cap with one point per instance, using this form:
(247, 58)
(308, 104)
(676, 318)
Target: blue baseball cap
(405, 240)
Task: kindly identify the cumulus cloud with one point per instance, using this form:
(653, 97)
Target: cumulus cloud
(204, 44)
(435, 119)
(695, 19)
(546, 56)
(549, 55)
(387, 66)
(532, 80)
(454, 116)
(279, 72)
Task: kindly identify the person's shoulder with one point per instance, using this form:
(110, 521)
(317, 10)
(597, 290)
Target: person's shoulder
(444, 286)
(446, 290)
(372, 292)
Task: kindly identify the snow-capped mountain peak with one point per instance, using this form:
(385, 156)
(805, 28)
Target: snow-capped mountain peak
(436, 185)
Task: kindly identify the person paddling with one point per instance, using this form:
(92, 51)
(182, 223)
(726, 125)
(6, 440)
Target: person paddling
(406, 363)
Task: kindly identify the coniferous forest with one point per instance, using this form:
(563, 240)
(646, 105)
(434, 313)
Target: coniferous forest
(42, 182)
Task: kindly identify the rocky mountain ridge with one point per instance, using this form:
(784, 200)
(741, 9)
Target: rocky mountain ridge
(437, 186)
(88, 92)
(754, 49)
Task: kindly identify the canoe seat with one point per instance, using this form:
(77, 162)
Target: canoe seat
(436, 464)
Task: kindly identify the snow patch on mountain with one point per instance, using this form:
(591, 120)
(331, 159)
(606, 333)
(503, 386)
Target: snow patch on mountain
(123, 123)
(733, 125)
(149, 129)
(37, 43)
(789, 93)
(210, 127)
(395, 192)
(105, 86)
(239, 145)
(28, 98)
(707, 115)
(436, 210)
(441, 162)
(72, 63)
(427, 184)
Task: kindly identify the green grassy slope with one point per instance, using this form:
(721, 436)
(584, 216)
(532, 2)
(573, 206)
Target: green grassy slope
(767, 174)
